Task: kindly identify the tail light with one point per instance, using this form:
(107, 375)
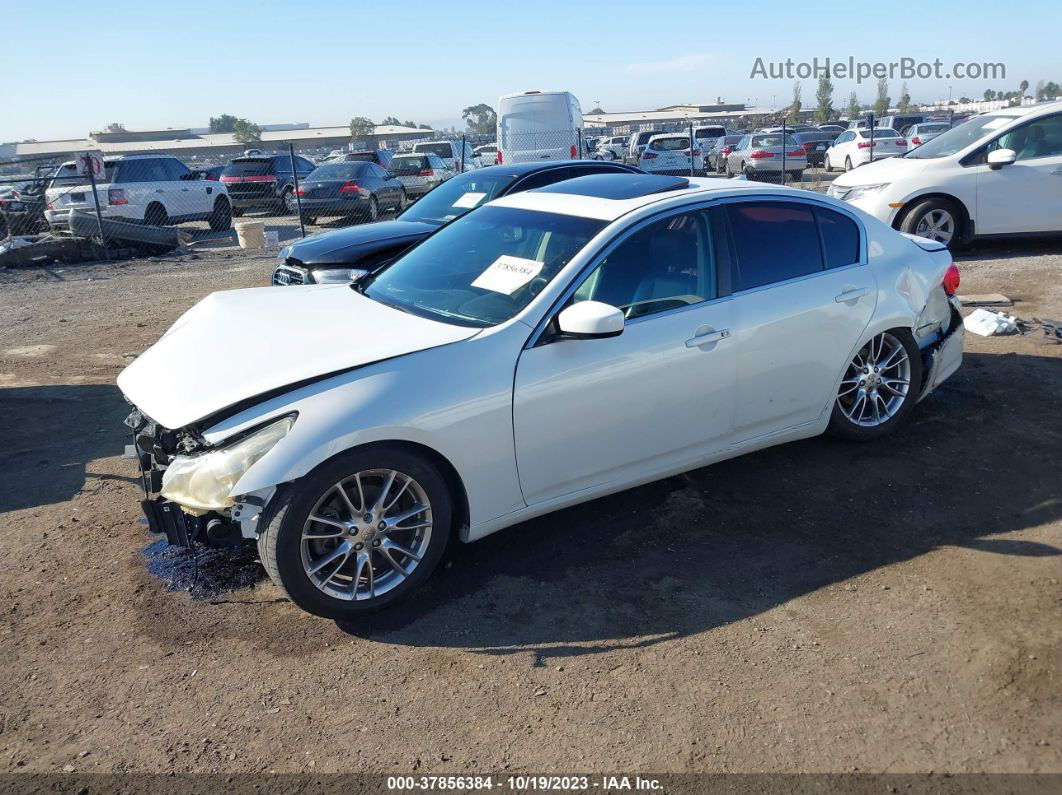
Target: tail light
(300, 193)
(499, 158)
(901, 142)
(759, 155)
(864, 144)
(351, 187)
(726, 150)
(916, 141)
(116, 196)
(648, 155)
(951, 280)
(426, 172)
(797, 152)
(573, 152)
(227, 180)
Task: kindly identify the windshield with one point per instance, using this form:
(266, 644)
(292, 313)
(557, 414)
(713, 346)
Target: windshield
(66, 176)
(335, 171)
(457, 196)
(958, 138)
(483, 268)
(439, 150)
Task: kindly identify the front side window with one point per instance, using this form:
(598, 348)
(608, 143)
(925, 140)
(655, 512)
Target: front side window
(668, 264)
(483, 268)
(1041, 138)
(773, 242)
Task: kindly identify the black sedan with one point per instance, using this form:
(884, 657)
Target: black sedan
(815, 144)
(343, 254)
(353, 189)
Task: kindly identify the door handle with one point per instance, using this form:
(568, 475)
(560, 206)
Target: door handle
(707, 338)
(851, 295)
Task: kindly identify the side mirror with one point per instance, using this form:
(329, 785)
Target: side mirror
(998, 158)
(588, 320)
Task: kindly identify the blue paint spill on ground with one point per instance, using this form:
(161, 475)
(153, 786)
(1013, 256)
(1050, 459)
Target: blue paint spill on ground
(207, 575)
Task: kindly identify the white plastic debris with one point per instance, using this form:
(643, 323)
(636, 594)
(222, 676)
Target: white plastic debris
(986, 323)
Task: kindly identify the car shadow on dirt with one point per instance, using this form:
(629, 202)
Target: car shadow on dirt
(48, 436)
(729, 541)
(1005, 248)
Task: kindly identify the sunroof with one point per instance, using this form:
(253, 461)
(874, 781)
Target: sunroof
(616, 186)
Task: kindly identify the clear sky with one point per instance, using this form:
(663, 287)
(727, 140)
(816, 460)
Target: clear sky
(75, 67)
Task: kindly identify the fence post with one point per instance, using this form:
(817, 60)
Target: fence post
(295, 190)
(692, 172)
(870, 124)
(99, 213)
(462, 154)
(783, 151)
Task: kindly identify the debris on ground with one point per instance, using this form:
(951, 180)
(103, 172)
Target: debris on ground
(986, 323)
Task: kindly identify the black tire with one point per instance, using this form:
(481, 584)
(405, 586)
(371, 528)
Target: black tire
(826, 164)
(797, 176)
(373, 213)
(844, 428)
(920, 211)
(237, 212)
(309, 220)
(221, 218)
(848, 164)
(280, 541)
(284, 204)
(403, 202)
(156, 215)
(750, 175)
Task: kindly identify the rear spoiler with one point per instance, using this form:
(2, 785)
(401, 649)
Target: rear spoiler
(925, 243)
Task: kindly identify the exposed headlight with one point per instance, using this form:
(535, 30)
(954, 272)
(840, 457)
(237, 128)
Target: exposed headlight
(203, 482)
(336, 275)
(859, 191)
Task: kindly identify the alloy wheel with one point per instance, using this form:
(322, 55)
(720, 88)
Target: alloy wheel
(366, 534)
(936, 225)
(876, 383)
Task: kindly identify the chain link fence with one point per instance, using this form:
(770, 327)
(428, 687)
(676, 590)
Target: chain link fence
(275, 191)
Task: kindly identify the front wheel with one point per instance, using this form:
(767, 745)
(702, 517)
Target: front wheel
(826, 164)
(357, 533)
(879, 388)
(936, 219)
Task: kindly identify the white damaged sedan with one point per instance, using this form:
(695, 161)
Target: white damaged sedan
(547, 348)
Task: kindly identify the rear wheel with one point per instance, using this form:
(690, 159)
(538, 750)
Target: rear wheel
(284, 205)
(826, 164)
(156, 215)
(936, 219)
(403, 201)
(237, 212)
(797, 176)
(357, 533)
(748, 172)
(374, 210)
(309, 220)
(879, 388)
(221, 218)
(848, 164)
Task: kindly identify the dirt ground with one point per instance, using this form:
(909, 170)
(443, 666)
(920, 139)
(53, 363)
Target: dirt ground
(819, 606)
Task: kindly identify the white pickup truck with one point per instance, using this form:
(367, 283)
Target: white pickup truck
(154, 189)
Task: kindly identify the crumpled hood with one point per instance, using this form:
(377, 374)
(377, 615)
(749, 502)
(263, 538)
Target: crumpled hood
(239, 344)
(888, 170)
(345, 246)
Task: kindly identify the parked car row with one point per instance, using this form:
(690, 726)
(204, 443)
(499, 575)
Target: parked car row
(548, 334)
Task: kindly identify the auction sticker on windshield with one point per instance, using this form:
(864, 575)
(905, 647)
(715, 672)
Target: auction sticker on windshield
(508, 274)
(470, 199)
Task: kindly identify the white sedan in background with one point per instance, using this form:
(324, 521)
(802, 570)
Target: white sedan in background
(854, 148)
(670, 154)
(996, 174)
(544, 349)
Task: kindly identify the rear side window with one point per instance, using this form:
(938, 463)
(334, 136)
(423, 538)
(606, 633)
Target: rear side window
(772, 242)
(840, 238)
(150, 169)
(175, 169)
(546, 177)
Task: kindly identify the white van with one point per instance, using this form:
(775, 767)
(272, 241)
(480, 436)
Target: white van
(539, 125)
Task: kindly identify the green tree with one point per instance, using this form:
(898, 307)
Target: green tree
(360, 127)
(223, 123)
(481, 119)
(390, 121)
(1024, 86)
(794, 108)
(853, 109)
(246, 132)
(989, 95)
(904, 103)
(882, 101)
(824, 100)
